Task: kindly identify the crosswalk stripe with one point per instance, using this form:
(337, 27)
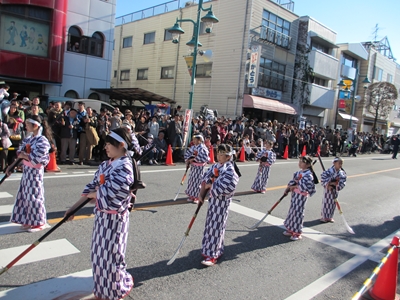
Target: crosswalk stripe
(43, 251)
(9, 228)
(52, 288)
(6, 209)
(5, 195)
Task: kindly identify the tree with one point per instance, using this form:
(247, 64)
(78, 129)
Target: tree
(381, 97)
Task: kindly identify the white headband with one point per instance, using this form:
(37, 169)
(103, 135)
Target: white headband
(34, 122)
(119, 139)
(40, 130)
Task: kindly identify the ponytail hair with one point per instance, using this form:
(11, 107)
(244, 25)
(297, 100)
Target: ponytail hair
(308, 160)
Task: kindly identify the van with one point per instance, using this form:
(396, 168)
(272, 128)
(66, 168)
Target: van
(94, 104)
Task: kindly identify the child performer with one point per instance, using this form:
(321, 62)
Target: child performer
(333, 180)
(221, 193)
(29, 209)
(266, 157)
(110, 191)
(302, 185)
(197, 157)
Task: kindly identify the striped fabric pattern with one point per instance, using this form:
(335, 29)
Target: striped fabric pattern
(328, 200)
(29, 208)
(110, 232)
(196, 172)
(294, 219)
(221, 195)
(261, 181)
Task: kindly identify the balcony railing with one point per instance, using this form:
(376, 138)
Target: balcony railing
(288, 4)
(275, 37)
(271, 82)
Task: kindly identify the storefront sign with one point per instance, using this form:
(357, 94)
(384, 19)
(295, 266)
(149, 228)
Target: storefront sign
(266, 93)
(186, 125)
(254, 66)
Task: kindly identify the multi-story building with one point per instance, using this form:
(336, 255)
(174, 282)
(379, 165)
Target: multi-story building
(229, 81)
(56, 47)
(380, 66)
(350, 56)
(315, 71)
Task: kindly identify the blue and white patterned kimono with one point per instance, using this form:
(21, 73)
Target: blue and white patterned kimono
(221, 194)
(29, 206)
(200, 152)
(306, 187)
(110, 232)
(328, 201)
(261, 180)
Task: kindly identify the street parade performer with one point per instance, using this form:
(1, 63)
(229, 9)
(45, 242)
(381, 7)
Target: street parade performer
(29, 209)
(197, 157)
(302, 185)
(266, 157)
(333, 180)
(221, 179)
(110, 191)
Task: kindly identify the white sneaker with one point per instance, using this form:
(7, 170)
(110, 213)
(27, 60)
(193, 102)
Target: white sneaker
(150, 162)
(295, 237)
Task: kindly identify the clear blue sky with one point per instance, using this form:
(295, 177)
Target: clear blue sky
(352, 20)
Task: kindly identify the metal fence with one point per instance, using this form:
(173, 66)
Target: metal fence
(288, 4)
(155, 10)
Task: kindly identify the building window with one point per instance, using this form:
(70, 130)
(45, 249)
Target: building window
(142, 74)
(316, 46)
(124, 75)
(272, 21)
(127, 42)
(149, 38)
(390, 78)
(378, 73)
(71, 94)
(84, 44)
(167, 72)
(203, 70)
(319, 81)
(94, 96)
(349, 61)
(167, 35)
(272, 75)
(115, 73)
(74, 39)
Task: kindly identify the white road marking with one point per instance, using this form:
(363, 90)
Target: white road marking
(6, 209)
(10, 228)
(78, 172)
(5, 195)
(362, 254)
(43, 251)
(52, 288)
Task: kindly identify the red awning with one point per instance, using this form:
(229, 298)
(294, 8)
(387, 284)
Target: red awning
(269, 104)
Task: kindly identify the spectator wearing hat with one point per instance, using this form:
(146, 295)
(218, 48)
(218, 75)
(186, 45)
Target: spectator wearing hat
(69, 136)
(129, 118)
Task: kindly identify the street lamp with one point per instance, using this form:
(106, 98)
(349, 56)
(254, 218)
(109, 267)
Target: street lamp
(209, 19)
(365, 81)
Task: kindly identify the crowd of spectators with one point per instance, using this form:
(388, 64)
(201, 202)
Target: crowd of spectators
(81, 133)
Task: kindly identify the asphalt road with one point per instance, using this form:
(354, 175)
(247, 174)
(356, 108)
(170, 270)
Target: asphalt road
(328, 263)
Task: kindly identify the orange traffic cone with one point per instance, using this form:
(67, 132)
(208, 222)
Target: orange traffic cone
(242, 157)
(319, 151)
(304, 152)
(386, 283)
(169, 161)
(286, 153)
(211, 155)
(52, 165)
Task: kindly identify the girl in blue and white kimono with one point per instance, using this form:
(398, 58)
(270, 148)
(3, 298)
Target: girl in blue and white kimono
(302, 185)
(197, 157)
(267, 158)
(110, 191)
(29, 209)
(221, 179)
(333, 180)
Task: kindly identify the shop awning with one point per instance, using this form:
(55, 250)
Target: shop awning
(269, 104)
(348, 117)
(132, 94)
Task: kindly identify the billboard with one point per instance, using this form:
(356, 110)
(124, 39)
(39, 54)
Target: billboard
(24, 36)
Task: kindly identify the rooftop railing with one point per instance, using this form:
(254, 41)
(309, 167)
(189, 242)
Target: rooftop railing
(288, 4)
(155, 10)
